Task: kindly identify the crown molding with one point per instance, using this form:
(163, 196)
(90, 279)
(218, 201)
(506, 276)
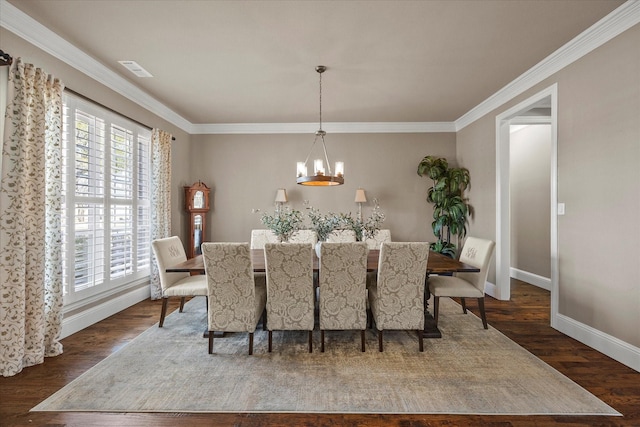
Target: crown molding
(618, 21)
(21, 24)
(329, 127)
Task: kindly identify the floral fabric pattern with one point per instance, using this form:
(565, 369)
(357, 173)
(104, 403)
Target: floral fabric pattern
(341, 236)
(259, 237)
(342, 282)
(160, 197)
(396, 297)
(236, 301)
(379, 238)
(290, 294)
(30, 206)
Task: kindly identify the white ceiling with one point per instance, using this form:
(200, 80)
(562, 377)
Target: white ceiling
(254, 61)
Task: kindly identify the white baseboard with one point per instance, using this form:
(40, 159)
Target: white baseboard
(616, 349)
(534, 279)
(79, 321)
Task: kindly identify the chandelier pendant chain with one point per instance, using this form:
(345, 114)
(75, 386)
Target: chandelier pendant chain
(320, 132)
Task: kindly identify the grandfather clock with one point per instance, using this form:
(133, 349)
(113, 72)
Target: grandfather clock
(196, 199)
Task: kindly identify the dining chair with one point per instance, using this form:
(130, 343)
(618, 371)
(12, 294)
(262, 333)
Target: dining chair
(261, 236)
(381, 236)
(169, 251)
(236, 299)
(342, 285)
(341, 236)
(304, 236)
(476, 252)
(290, 289)
(396, 295)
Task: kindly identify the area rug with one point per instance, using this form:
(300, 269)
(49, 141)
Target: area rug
(469, 371)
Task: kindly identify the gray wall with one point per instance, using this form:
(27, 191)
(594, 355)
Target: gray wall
(530, 181)
(598, 179)
(244, 172)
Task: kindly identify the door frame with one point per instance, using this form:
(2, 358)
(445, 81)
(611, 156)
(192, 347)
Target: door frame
(502, 289)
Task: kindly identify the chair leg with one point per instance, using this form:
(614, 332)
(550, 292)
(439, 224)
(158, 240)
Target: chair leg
(420, 341)
(310, 341)
(321, 340)
(264, 320)
(163, 312)
(362, 336)
(211, 342)
(270, 340)
(250, 343)
(181, 303)
(206, 301)
(464, 305)
(482, 312)
(380, 341)
(436, 309)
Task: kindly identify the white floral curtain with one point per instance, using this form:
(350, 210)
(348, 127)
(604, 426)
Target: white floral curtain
(160, 197)
(30, 236)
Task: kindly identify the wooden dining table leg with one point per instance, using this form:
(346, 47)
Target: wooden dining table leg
(430, 327)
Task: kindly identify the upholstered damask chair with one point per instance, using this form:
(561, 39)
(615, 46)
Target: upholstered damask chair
(381, 236)
(396, 296)
(475, 252)
(169, 252)
(341, 236)
(261, 236)
(290, 293)
(236, 299)
(342, 285)
(304, 236)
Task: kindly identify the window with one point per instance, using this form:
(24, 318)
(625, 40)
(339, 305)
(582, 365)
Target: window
(106, 223)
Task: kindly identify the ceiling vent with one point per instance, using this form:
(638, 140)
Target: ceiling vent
(135, 68)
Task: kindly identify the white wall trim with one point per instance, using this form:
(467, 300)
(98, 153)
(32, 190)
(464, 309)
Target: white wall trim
(503, 222)
(21, 24)
(79, 321)
(531, 278)
(329, 127)
(611, 346)
(618, 21)
(490, 289)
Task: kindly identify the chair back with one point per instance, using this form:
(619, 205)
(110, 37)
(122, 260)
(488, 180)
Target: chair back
(304, 236)
(402, 269)
(169, 252)
(290, 293)
(342, 282)
(231, 287)
(477, 252)
(259, 237)
(380, 237)
(341, 236)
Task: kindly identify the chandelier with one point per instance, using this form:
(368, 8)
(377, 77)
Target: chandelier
(318, 177)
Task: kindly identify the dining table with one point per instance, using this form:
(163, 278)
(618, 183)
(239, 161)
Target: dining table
(436, 264)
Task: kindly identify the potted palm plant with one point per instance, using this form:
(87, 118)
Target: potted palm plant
(451, 210)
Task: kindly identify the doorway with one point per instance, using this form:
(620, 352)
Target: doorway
(547, 99)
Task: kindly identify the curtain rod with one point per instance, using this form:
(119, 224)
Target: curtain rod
(86, 98)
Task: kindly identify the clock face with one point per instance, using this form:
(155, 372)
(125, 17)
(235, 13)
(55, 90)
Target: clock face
(198, 200)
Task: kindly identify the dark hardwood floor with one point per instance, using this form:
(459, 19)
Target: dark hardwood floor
(524, 319)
